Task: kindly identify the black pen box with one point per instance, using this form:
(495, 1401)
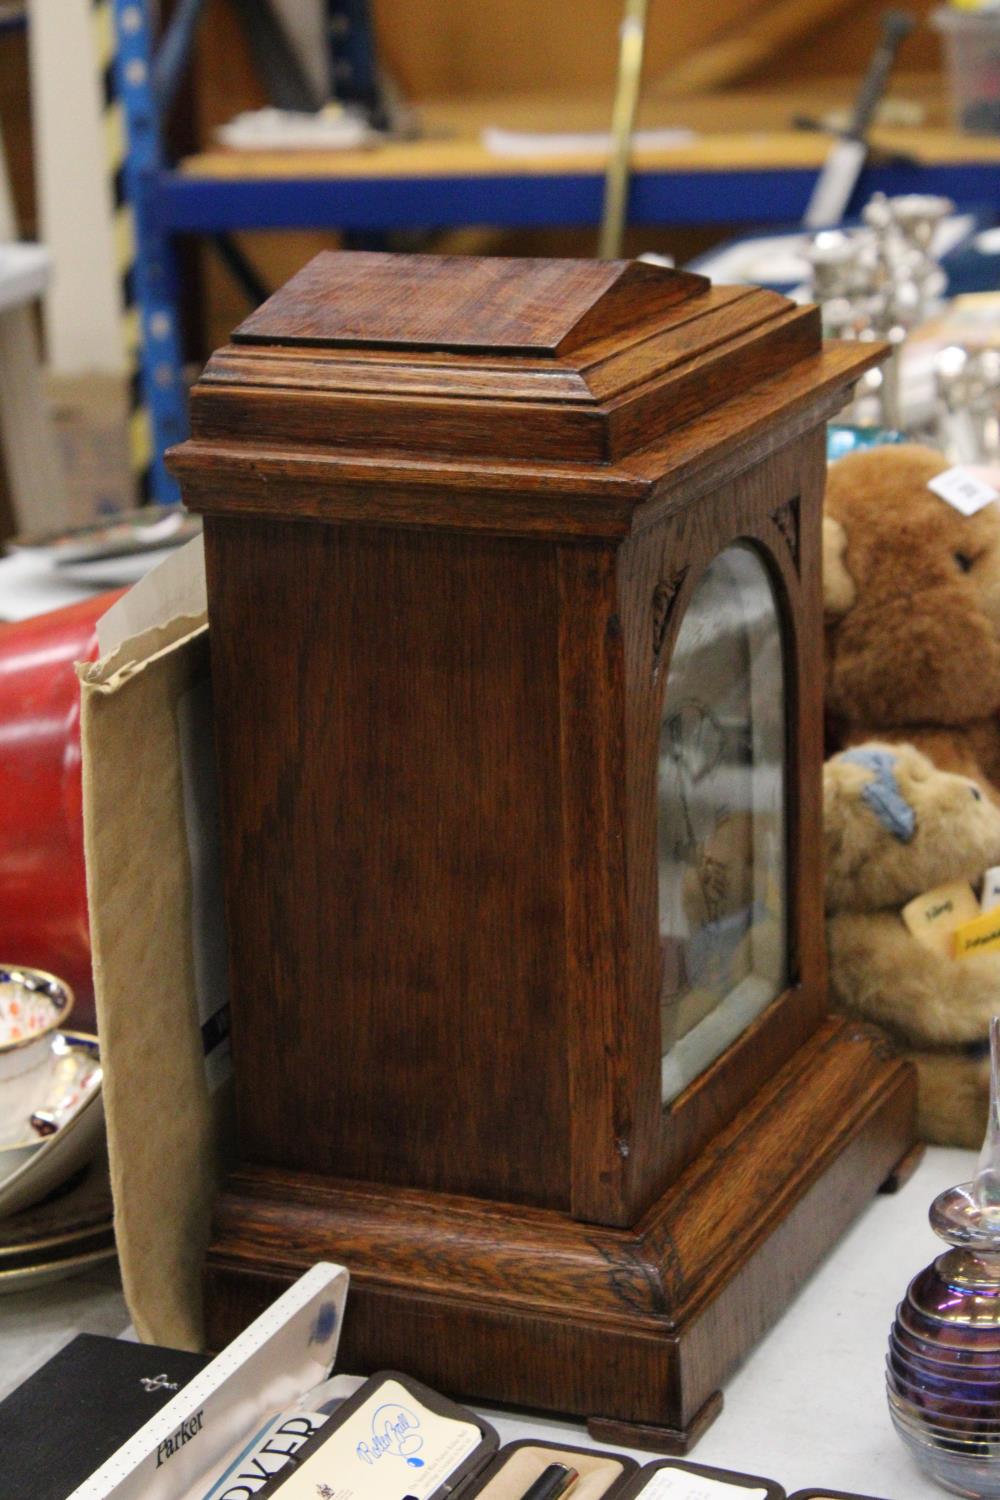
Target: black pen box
(80, 1407)
(396, 1439)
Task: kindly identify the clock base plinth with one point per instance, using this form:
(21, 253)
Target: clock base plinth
(904, 1169)
(675, 1441)
(529, 1307)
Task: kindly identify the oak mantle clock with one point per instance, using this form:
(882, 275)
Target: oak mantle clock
(515, 615)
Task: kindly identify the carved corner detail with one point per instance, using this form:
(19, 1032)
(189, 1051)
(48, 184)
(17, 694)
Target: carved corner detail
(640, 1284)
(786, 518)
(664, 599)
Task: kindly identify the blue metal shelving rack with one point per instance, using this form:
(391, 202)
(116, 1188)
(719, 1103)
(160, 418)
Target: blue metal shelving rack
(149, 281)
(765, 196)
(169, 202)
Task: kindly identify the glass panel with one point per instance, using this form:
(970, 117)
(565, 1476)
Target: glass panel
(721, 818)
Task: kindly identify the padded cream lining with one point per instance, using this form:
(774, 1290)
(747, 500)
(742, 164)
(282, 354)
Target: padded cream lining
(524, 1465)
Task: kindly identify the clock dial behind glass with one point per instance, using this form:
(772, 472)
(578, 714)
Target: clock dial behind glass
(721, 818)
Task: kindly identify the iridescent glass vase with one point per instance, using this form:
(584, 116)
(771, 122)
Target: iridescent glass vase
(943, 1365)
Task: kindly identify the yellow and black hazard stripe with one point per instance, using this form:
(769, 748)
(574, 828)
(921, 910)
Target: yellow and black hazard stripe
(116, 149)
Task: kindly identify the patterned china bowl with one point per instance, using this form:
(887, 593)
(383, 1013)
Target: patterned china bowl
(51, 1121)
(32, 1004)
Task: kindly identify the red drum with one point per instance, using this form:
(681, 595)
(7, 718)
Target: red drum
(43, 896)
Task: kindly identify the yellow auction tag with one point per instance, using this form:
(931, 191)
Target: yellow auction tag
(979, 936)
(934, 917)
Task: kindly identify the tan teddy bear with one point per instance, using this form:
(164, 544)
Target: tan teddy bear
(896, 827)
(912, 596)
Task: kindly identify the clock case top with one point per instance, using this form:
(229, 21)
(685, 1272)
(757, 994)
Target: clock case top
(519, 470)
(564, 396)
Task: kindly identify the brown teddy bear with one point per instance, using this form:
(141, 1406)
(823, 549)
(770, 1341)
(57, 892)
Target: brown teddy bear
(896, 827)
(912, 601)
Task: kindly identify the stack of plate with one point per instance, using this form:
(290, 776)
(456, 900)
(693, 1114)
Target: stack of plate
(71, 1231)
(943, 1377)
(52, 1150)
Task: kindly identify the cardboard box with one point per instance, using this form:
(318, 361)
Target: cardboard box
(153, 887)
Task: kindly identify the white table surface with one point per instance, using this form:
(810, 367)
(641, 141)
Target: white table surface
(807, 1408)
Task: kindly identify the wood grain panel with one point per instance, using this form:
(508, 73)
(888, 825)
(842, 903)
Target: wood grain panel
(463, 303)
(559, 499)
(601, 1019)
(389, 756)
(704, 382)
(516, 429)
(432, 375)
(696, 328)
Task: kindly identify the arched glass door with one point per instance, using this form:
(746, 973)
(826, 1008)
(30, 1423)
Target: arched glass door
(721, 818)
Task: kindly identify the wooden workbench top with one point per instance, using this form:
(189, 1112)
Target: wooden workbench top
(734, 130)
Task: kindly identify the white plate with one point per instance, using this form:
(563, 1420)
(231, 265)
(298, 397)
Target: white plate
(60, 1155)
(19, 1279)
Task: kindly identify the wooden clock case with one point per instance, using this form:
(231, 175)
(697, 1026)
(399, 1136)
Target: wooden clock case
(454, 511)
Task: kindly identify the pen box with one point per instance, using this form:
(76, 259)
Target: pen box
(829, 1495)
(287, 1351)
(677, 1479)
(80, 1407)
(404, 1440)
(396, 1439)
